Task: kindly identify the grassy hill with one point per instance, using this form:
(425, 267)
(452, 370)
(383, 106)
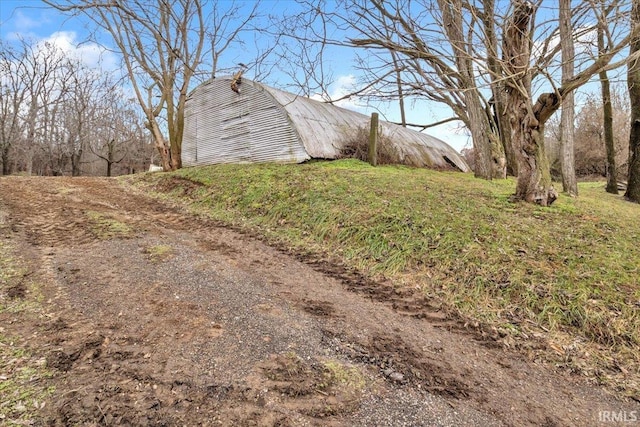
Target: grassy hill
(567, 276)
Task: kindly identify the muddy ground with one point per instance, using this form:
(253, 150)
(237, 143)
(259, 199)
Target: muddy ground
(154, 317)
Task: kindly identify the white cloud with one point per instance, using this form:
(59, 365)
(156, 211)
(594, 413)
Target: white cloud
(585, 41)
(90, 54)
(344, 85)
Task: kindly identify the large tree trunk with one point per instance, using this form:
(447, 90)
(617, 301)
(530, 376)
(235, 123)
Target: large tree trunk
(478, 123)
(76, 159)
(534, 179)
(28, 159)
(633, 81)
(567, 118)
(527, 130)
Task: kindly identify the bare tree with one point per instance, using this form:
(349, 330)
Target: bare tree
(567, 120)
(224, 29)
(482, 61)
(84, 93)
(52, 107)
(41, 68)
(607, 120)
(528, 118)
(12, 95)
(633, 81)
(117, 129)
(161, 44)
(302, 51)
(438, 49)
(590, 133)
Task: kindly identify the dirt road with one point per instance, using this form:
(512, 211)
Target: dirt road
(155, 317)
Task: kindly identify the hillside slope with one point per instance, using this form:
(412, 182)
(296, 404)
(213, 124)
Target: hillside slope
(560, 283)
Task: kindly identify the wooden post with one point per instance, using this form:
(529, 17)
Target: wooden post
(373, 140)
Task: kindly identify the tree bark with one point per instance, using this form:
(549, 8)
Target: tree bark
(480, 131)
(527, 129)
(502, 122)
(160, 143)
(478, 121)
(503, 155)
(6, 165)
(633, 82)
(609, 143)
(567, 119)
(403, 117)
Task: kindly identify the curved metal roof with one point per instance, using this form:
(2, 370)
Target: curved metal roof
(262, 123)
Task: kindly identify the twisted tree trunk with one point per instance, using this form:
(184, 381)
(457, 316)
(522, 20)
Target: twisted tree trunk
(526, 120)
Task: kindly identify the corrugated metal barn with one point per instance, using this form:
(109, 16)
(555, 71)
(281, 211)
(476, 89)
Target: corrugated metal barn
(263, 124)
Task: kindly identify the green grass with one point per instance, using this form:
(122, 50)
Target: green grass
(159, 252)
(569, 273)
(105, 227)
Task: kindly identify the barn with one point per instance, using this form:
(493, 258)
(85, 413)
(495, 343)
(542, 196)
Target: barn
(263, 124)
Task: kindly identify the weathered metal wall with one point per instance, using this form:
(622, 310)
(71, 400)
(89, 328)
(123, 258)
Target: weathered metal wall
(263, 124)
(222, 126)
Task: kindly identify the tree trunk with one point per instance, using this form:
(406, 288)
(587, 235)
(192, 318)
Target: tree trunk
(28, 159)
(479, 128)
(161, 145)
(527, 131)
(503, 155)
(498, 158)
(403, 117)
(609, 143)
(534, 179)
(567, 118)
(633, 82)
(478, 123)
(612, 181)
(75, 163)
(6, 166)
(502, 122)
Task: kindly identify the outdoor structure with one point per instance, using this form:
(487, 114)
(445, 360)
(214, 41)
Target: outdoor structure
(262, 124)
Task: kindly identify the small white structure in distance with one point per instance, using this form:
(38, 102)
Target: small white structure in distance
(264, 124)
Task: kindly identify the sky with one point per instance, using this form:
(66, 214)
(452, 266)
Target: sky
(31, 19)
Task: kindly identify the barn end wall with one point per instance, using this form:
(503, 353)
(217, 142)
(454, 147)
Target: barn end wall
(222, 126)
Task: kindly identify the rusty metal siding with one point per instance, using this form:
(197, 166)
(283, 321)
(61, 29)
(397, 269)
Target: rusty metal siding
(222, 126)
